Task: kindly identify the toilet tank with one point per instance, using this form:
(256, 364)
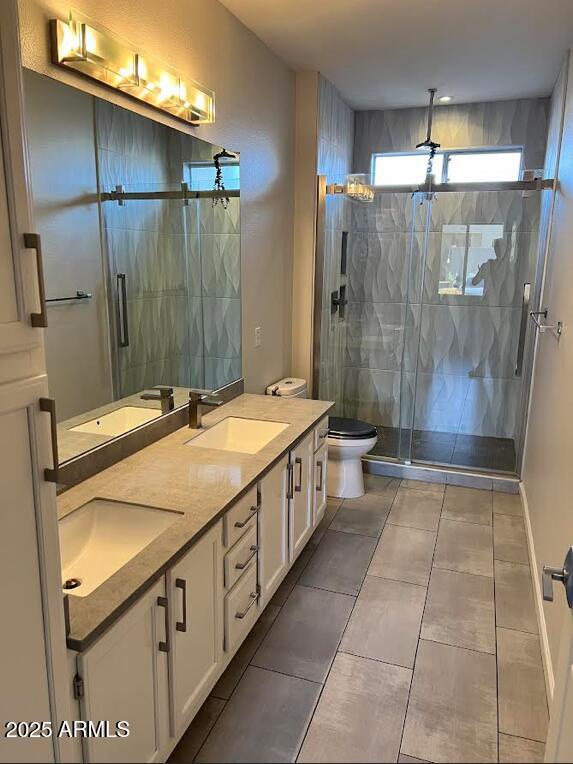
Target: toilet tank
(289, 387)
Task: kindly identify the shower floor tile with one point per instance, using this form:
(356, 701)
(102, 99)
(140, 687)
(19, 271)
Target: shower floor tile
(480, 451)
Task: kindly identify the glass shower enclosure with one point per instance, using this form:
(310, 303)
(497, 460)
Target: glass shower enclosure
(432, 341)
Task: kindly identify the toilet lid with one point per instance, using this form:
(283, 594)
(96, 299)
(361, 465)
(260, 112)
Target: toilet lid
(341, 427)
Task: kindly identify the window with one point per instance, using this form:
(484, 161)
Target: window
(202, 176)
(406, 169)
(472, 258)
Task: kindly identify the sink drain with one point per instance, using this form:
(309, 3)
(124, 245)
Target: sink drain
(72, 583)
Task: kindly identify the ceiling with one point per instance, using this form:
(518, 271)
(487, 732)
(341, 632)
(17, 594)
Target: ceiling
(386, 53)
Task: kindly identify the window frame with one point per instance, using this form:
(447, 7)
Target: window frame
(446, 154)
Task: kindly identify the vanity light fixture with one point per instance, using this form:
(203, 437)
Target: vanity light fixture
(82, 45)
(445, 99)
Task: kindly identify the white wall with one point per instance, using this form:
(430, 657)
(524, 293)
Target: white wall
(548, 476)
(255, 115)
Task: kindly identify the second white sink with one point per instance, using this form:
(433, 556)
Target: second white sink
(245, 436)
(119, 421)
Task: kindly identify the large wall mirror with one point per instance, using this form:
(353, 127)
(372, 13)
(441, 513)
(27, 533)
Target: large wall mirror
(141, 259)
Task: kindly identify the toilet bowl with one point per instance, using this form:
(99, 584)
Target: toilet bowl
(348, 441)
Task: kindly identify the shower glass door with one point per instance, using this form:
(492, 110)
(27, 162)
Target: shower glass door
(463, 390)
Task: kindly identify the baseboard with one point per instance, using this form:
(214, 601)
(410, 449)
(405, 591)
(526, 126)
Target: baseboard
(538, 597)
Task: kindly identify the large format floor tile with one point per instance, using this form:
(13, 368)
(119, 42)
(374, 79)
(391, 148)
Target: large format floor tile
(452, 713)
(332, 507)
(290, 580)
(465, 547)
(265, 720)
(521, 685)
(423, 485)
(507, 504)
(303, 639)
(339, 563)
(360, 714)
(514, 603)
(404, 554)
(416, 509)
(236, 668)
(460, 611)
(387, 486)
(509, 540)
(385, 623)
(517, 749)
(196, 734)
(470, 505)
(365, 515)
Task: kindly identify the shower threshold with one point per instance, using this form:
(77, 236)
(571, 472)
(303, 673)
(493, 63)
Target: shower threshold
(377, 465)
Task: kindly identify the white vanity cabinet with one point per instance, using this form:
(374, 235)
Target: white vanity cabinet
(300, 493)
(273, 529)
(195, 595)
(124, 678)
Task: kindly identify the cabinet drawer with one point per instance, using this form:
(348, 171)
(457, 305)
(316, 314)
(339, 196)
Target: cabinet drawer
(239, 557)
(241, 608)
(240, 518)
(320, 433)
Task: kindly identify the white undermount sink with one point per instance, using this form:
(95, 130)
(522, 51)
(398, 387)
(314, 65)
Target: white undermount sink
(118, 422)
(96, 540)
(245, 436)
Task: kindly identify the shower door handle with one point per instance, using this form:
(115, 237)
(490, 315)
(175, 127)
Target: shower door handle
(122, 320)
(523, 328)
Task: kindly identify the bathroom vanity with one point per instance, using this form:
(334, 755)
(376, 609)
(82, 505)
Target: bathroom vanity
(149, 643)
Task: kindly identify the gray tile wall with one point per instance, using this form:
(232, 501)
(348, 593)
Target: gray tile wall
(467, 343)
(335, 147)
(182, 263)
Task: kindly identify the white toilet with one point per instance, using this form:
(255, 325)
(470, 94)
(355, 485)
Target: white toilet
(288, 387)
(348, 441)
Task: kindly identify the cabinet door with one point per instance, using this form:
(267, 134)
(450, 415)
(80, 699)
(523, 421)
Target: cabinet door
(125, 679)
(195, 591)
(19, 285)
(320, 471)
(23, 665)
(301, 492)
(273, 530)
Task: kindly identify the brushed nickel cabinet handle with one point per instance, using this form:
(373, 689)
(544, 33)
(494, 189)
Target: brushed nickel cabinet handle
(242, 523)
(298, 487)
(181, 583)
(33, 241)
(242, 565)
(48, 405)
(321, 473)
(254, 597)
(164, 603)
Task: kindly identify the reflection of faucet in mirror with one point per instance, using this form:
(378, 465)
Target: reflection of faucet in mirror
(161, 393)
(198, 398)
(488, 271)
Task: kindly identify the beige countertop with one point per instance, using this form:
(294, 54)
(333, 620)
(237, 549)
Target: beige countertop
(200, 483)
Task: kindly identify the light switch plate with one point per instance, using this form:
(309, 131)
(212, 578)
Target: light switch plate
(258, 339)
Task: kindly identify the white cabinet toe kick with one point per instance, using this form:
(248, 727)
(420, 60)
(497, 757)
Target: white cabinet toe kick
(157, 664)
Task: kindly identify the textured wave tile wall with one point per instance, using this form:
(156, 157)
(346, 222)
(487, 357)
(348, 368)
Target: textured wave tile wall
(467, 342)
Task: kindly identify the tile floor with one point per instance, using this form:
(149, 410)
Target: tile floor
(405, 631)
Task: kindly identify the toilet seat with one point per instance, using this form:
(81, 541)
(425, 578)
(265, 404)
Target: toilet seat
(342, 427)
